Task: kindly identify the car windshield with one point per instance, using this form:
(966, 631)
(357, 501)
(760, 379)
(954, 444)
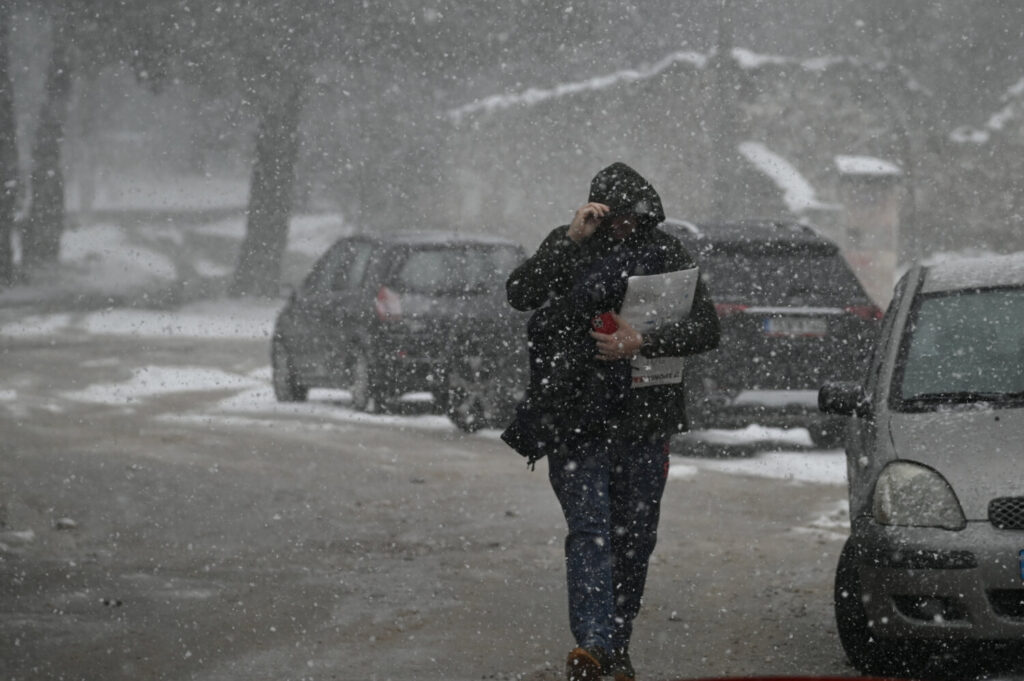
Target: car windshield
(447, 270)
(797, 278)
(964, 347)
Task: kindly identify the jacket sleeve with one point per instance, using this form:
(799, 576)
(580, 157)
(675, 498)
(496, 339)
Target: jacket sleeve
(546, 274)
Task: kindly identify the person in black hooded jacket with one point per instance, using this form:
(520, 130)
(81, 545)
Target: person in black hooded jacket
(606, 441)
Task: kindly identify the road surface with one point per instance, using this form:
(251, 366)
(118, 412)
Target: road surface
(166, 535)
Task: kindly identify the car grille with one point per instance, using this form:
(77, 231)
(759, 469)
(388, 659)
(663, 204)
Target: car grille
(1007, 513)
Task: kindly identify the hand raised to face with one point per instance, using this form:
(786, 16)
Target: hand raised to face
(586, 220)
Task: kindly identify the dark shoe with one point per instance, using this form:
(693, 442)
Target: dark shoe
(619, 666)
(584, 665)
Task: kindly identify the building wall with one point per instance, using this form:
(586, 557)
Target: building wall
(871, 230)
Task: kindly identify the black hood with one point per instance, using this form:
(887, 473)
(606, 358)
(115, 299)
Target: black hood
(626, 191)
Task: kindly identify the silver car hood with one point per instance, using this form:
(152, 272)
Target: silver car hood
(980, 451)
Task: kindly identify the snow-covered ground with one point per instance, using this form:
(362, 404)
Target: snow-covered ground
(107, 259)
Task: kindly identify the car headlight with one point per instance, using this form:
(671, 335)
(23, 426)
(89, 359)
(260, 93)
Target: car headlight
(911, 494)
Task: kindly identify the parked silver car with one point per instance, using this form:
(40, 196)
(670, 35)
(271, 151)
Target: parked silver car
(935, 459)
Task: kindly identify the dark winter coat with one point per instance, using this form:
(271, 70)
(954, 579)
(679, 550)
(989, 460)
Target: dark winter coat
(571, 394)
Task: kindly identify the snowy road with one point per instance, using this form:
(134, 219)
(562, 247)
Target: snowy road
(165, 518)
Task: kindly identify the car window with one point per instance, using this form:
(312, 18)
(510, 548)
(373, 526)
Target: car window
(350, 274)
(963, 347)
(781, 278)
(470, 269)
(330, 271)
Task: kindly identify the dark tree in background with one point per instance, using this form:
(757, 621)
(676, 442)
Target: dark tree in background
(40, 239)
(260, 53)
(271, 194)
(390, 63)
(8, 152)
(274, 57)
(85, 37)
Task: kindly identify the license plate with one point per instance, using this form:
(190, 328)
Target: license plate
(795, 326)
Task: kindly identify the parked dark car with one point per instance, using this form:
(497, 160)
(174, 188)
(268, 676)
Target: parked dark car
(793, 317)
(389, 314)
(935, 556)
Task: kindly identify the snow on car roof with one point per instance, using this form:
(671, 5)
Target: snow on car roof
(975, 272)
(752, 233)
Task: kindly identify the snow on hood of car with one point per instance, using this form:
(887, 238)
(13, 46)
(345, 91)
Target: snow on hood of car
(977, 449)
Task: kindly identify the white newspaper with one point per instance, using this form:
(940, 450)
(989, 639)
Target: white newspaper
(652, 300)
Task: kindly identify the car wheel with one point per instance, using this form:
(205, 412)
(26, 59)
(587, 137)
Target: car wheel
(869, 654)
(469, 397)
(828, 433)
(363, 383)
(286, 383)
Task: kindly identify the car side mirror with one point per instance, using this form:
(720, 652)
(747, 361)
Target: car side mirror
(843, 399)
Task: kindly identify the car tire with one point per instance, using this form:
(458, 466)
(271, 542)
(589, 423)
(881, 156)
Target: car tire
(828, 433)
(287, 387)
(869, 654)
(364, 383)
(466, 398)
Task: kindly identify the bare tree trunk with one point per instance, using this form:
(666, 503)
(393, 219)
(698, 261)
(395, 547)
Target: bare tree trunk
(724, 116)
(8, 153)
(41, 238)
(82, 136)
(271, 192)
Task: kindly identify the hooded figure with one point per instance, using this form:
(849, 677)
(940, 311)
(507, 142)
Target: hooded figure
(568, 284)
(626, 192)
(606, 441)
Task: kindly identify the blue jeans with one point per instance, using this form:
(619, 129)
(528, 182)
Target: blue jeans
(610, 493)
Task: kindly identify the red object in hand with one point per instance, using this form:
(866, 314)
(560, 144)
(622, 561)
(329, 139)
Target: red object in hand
(604, 323)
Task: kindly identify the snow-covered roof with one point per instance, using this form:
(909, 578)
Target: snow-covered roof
(1013, 96)
(797, 192)
(750, 60)
(746, 59)
(537, 95)
(965, 134)
(866, 165)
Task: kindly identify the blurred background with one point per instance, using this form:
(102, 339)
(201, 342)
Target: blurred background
(896, 128)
